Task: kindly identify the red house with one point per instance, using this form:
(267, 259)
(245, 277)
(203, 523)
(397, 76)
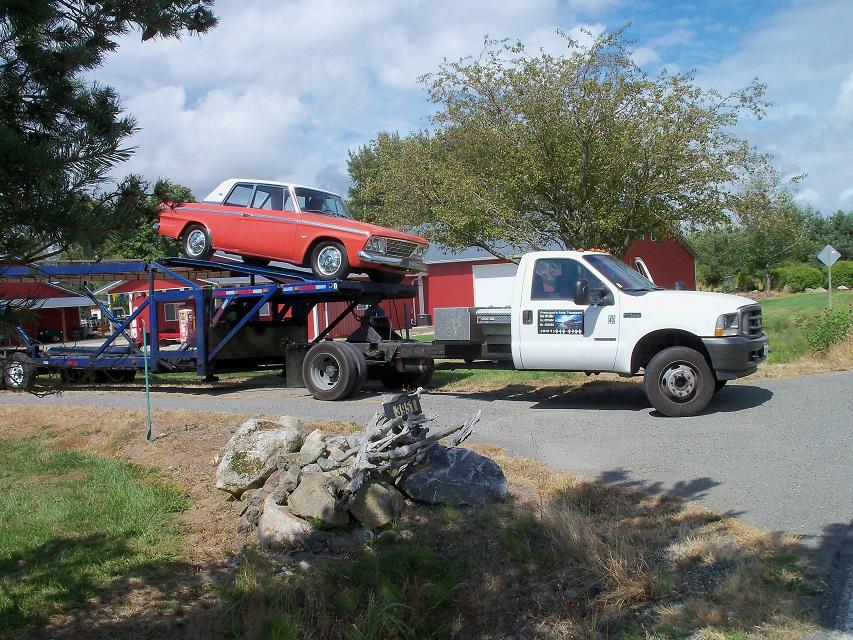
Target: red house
(475, 278)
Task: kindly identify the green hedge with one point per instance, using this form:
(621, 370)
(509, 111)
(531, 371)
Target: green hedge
(842, 273)
(798, 277)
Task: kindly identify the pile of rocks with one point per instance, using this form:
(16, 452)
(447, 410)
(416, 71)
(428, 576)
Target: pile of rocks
(288, 485)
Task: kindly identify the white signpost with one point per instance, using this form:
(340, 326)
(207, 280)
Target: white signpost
(828, 256)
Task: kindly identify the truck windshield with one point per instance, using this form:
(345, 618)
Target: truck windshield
(620, 273)
(315, 201)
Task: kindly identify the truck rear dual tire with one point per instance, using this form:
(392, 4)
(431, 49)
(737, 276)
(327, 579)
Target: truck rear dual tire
(334, 370)
(679, 382)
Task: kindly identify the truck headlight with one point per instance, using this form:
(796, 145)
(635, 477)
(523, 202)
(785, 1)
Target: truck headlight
(375, 243)
(728, 324)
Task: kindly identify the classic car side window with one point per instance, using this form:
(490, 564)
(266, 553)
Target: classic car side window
(240, 196)
(267, 197)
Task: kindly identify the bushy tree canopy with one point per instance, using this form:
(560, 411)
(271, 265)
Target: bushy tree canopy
(61, 135)
(583, 148)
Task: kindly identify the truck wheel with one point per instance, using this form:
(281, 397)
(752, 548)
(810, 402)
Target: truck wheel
(329, 371)
(195, 243)
(18, 373)
(718, 386)
(679, 382)
(329, 261)
(360, 363)
(386, 277)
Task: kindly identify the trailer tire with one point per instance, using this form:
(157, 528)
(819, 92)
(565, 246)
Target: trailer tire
(360, 363)
(18, 373)
(329, 371)
(679, 382)
(195, 243)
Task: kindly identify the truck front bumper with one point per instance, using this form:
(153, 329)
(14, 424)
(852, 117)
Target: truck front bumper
(736, 356)
(407, 264)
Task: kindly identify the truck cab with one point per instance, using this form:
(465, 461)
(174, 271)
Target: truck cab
(589, 311)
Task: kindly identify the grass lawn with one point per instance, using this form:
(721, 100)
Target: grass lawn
(76, 526)
(786, 321)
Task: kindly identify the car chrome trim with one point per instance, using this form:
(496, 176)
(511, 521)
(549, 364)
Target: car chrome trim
(403, 263)
(258, 216)
(323, 225)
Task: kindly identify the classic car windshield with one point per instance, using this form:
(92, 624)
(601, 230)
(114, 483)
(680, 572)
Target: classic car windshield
(620, 273)
(315, 201)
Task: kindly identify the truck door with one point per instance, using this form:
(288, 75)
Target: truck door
(554, 332)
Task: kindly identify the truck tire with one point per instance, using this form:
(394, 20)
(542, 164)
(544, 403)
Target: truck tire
(18, 373)
(718, 386)
(679, 382)
(329, 371)
(360, 366)
(195, 243)
(328, 261)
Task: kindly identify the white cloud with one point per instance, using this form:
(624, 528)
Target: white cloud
(805, 56)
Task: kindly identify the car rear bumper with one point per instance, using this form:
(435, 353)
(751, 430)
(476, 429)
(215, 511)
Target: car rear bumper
(407, 264)
(736, 356)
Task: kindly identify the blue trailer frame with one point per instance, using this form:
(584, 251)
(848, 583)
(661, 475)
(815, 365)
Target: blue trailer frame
(290, 288)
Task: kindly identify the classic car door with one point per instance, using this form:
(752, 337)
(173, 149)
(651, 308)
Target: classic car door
(268, 224)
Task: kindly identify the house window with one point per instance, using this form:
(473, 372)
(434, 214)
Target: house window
(171, 311)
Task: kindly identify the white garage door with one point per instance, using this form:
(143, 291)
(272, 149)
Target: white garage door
(493, 284)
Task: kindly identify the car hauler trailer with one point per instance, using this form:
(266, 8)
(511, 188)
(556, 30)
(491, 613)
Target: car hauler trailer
(229, 335)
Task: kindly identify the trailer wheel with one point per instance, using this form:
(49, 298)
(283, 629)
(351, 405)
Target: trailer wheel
(329, 261)
(18, 373)
(329, 371)
(360, 363)
(679, 382)
(195, 242)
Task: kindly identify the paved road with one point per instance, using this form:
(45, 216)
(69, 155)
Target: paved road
(775, 452)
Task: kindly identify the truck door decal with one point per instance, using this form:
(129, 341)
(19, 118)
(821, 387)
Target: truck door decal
(560, 321)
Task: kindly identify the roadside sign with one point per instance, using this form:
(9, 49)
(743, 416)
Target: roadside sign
(828, 255)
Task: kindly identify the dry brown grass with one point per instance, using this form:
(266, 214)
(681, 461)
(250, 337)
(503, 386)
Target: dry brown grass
(839, 357)
(565, 557)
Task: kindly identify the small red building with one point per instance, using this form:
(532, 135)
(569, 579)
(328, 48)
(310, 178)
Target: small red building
(475, 278)
(48, 309)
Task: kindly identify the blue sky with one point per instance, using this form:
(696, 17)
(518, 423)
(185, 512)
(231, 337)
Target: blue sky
(283, 89)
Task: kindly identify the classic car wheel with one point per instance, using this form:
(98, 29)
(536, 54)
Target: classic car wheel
(195, 243)
(386, 277)
(329, 261)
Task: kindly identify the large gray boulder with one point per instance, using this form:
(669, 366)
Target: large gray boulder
(252, 453)
(454, 477)
(312, 499)
(377, 504)
(279, 529)
(313, 448)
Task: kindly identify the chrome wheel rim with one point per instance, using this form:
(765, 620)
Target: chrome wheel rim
(325, 372)
(196, 242)
(15, 374)
(679, 381)
(329, 260)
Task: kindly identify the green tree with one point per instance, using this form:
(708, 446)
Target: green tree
(582, 148)
(61, 135)
(142, 242)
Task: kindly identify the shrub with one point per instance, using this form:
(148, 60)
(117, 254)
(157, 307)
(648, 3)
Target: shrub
(842, 273)
(797, 277)
(829, 326)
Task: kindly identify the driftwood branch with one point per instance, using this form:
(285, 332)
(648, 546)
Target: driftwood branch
(394, 444)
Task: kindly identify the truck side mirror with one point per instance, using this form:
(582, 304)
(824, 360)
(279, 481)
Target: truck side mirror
(582, 294)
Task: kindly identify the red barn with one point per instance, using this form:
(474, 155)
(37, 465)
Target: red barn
(50, 310)
(475, 278)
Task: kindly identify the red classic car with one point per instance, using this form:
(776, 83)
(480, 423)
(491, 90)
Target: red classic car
(263, 220)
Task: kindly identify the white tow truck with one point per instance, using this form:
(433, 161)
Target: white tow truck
(585, 311)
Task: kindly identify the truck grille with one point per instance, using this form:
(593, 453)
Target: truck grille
(750, 321)
(399, 248)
